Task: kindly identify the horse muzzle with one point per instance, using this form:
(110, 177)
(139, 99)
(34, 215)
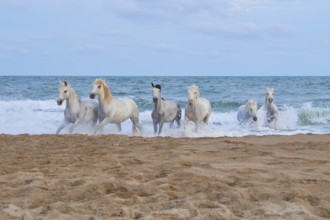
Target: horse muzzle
(270, 100)
(92, 96)
(190, 101)
(255, 118)
(59, 102)
(155, 100)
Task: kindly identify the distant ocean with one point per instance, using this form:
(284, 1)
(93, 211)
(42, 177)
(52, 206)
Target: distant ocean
(28, 103)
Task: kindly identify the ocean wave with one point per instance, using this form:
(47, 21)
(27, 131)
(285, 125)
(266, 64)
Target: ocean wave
(309, 115)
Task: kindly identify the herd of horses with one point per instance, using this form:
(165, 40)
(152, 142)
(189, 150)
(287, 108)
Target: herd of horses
(109, 110)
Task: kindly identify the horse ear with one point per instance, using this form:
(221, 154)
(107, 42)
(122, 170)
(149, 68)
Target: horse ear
(65, 83)
(152, 84)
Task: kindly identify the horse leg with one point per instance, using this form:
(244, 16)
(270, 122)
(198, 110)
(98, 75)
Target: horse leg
(75, 124)
(161, 123)
(155, 126)
(177, 119)
(100, 126)
(61, 127)
(135, 125)
(178, 122)
(94, 122)
(206, 119)
(185, 123)
(119, 126)
(171, 124)
(197, 123)
(139, 126)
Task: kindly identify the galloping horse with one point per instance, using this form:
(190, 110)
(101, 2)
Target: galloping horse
(76, 111)
(271, 108)
(247, 112)
(113, 110)
(198, 109)
(164, 111)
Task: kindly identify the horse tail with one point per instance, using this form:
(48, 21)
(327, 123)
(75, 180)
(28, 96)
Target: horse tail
(135, 112)
(178, 115)
(136, 126)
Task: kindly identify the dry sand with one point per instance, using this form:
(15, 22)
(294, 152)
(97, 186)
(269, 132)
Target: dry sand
(120, 177)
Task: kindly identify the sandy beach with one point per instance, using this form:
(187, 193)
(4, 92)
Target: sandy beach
(121, 177)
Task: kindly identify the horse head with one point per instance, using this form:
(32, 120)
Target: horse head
(193, 94)
(156, 92)
(252, 108)
(64, 92)
(269, 96)
(98, 87)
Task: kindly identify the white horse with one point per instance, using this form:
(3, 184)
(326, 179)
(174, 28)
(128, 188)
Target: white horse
(76, 111)
(198, 109)
(164, 111)
(247, 112)
(113, 110)
(271, 108)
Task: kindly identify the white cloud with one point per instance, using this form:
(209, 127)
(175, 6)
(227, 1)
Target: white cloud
(227, 18)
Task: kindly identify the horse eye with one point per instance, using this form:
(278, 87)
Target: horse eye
(99, 87)
(65, 91)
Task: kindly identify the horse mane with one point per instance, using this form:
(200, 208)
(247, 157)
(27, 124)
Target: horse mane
(251, 103)
(156, 86)
(106, 89)
(194, 88)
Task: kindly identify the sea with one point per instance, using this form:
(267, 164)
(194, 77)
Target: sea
(28, 103)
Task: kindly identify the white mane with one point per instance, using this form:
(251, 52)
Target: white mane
(194, 89)
(251, 104)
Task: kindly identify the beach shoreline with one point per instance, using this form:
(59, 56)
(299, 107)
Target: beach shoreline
(126, 177)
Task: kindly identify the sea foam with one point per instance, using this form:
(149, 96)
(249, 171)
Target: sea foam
(44, 117)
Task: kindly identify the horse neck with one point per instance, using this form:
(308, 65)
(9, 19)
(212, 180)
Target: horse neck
(266, 102)
(196, 101)
(73, 99)
(106, 96)
(158, 104)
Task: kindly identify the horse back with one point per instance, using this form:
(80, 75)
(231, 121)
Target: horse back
(170, 110)
(205, 104)
(125, 108)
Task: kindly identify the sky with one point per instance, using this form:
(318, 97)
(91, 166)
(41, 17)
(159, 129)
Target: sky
(165, 37)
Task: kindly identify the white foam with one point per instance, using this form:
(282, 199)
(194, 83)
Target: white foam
(44, 117)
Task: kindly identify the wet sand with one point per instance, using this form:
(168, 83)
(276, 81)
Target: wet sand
(121, 177)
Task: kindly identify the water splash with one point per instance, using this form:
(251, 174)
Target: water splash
(43, 117)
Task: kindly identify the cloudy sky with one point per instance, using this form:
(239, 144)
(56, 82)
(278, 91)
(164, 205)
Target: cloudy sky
(165, 37)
